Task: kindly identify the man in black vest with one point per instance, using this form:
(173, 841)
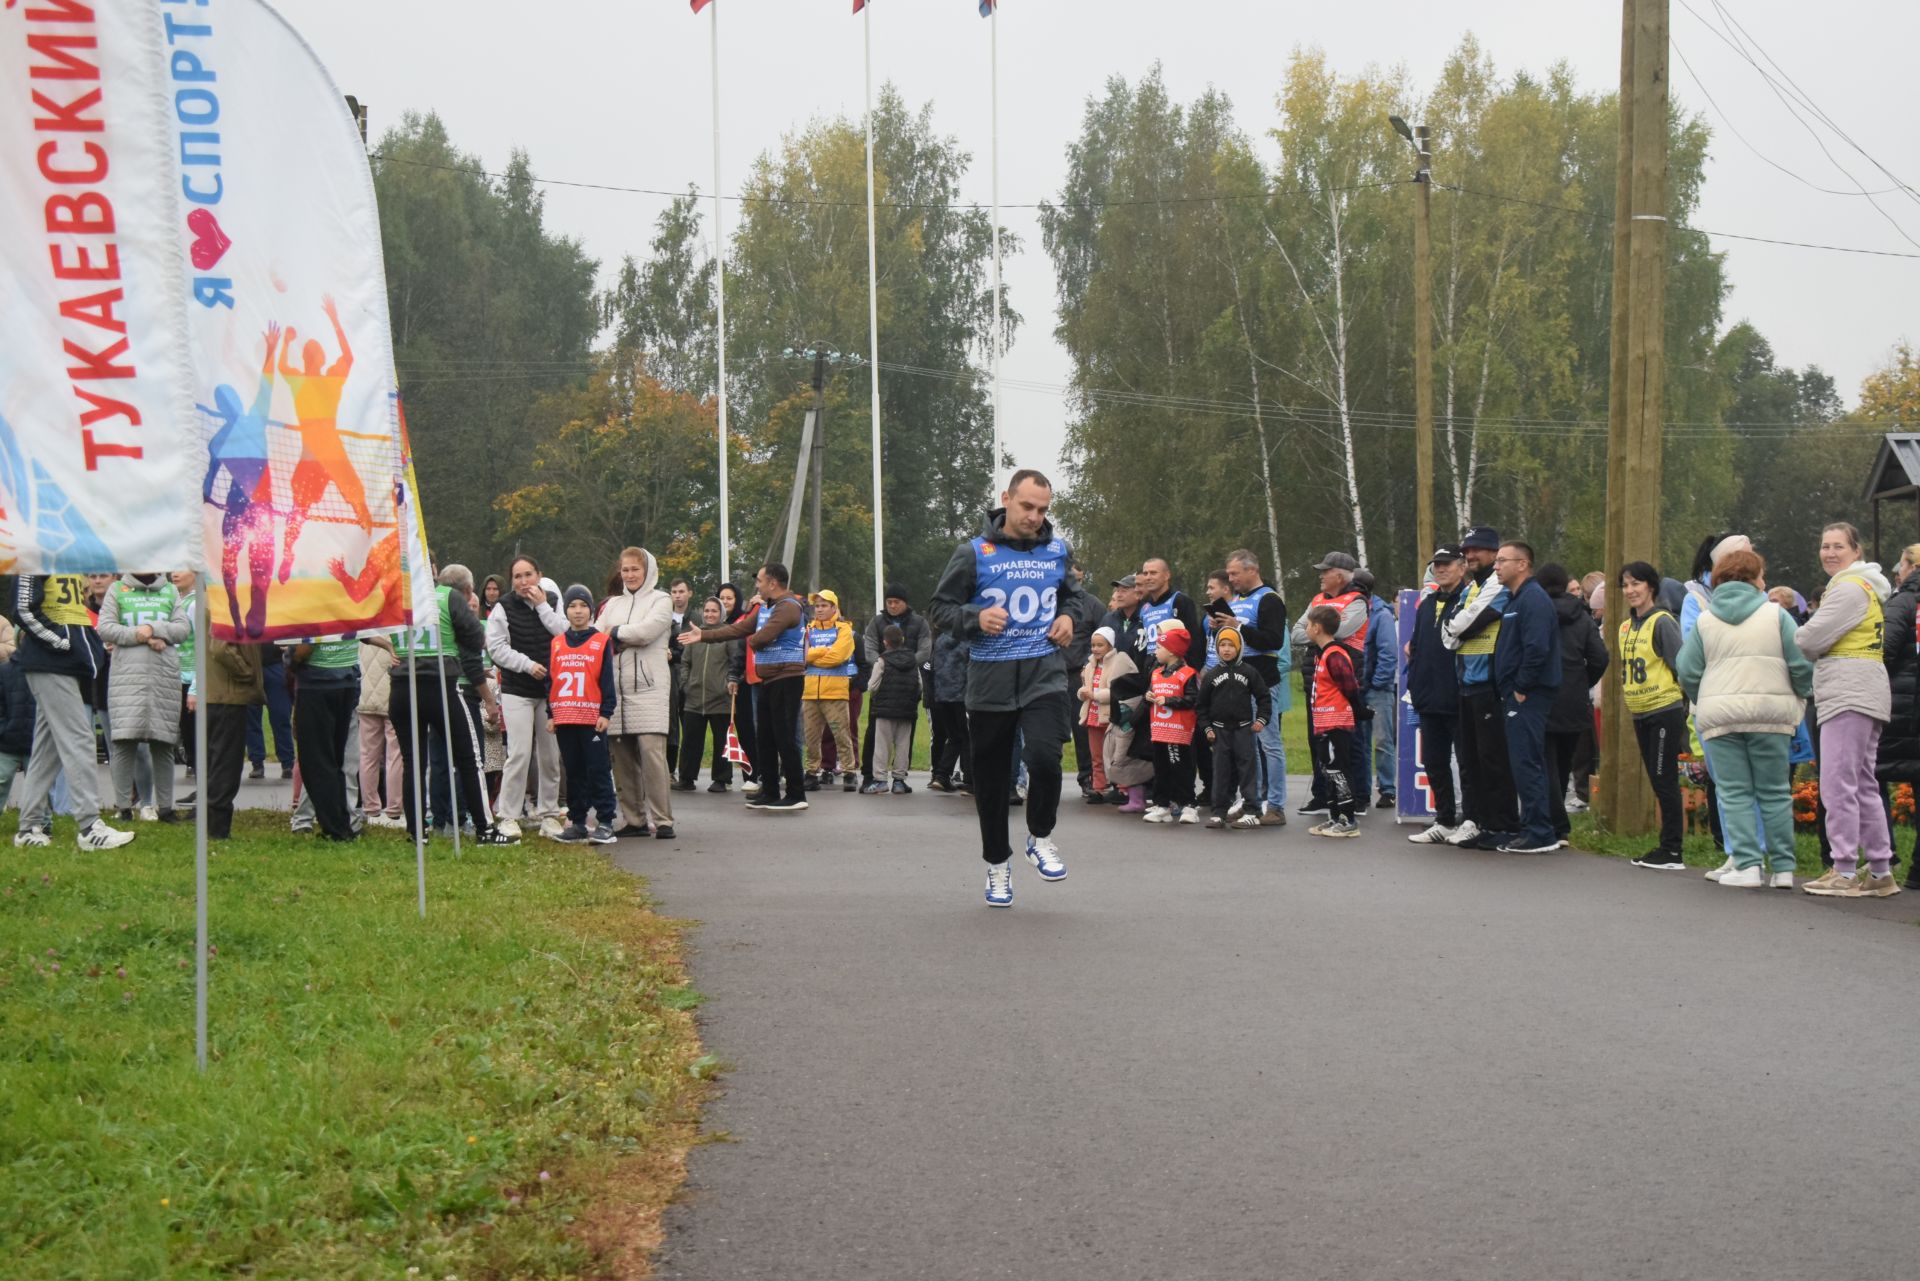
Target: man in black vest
(519, 639)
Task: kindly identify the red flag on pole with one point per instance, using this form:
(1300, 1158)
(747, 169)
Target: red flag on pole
(698, 5)
(858, 5)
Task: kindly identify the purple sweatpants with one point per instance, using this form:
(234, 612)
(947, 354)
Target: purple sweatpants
(1849, 746)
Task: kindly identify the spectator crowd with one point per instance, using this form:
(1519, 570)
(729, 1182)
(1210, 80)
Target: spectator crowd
(524, 708)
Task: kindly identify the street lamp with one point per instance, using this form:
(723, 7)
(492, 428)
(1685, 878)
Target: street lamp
(1417, 135)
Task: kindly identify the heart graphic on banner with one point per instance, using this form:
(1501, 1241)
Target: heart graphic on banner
(210, 244)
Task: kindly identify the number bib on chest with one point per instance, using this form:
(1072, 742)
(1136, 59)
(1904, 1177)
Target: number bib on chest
(1027, 585)
(575, 672)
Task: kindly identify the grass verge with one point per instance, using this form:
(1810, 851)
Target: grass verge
(506, 1088)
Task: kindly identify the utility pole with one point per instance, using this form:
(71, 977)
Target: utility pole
(1423, 340)
(1637, 401)
(1421, 138)
(819, 464)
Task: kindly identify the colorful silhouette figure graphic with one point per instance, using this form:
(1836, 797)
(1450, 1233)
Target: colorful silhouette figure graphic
(381, 571)
(317, 389)
(240, 446)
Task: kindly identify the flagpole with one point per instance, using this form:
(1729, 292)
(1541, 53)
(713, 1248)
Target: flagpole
(873, 334)
(993, 26)
(418, 819)
(720, 294)
(201, 638)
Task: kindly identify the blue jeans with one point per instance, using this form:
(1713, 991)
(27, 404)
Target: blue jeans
(1273, 763)
(1527, 758)
(280, 713)
(1386, 741)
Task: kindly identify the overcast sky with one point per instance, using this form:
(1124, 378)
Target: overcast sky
(619, 93)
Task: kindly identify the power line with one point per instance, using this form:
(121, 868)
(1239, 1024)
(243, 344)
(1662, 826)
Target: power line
(1704, 231)
(1326, 416)
(1734, 129)
(696, 193)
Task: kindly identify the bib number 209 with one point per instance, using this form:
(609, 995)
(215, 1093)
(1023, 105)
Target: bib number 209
(1024, 605)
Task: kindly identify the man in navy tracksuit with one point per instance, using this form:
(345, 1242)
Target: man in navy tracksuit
(1526, 672)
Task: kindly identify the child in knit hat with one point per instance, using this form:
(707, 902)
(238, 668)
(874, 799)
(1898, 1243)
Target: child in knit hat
(581, 696)
(1173, 693)
(1234, 707)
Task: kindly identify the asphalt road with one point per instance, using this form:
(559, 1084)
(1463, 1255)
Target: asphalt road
(1259, 1054)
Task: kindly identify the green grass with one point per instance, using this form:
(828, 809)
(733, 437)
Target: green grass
(384, 1092)
(1700, 853)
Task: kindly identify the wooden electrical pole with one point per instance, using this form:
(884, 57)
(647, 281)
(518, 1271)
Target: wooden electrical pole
(1634, 423)
(1423, 344)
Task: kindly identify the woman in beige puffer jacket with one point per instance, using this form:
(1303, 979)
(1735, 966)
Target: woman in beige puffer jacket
(640, 618)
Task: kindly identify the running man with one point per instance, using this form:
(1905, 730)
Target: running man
(240, 446)
(1010, 595)
(323, 455)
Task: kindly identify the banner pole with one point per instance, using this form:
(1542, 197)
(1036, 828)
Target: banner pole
(873, 335)
(720, 297)
(418, 819)
(201, 637)
(993, 28)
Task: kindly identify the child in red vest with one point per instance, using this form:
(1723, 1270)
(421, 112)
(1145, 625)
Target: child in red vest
(1173, 693)
(580, 698)
(1336, 693)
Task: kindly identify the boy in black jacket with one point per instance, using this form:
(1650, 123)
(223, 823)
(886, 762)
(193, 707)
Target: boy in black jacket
(1234, 707)
(16, 725)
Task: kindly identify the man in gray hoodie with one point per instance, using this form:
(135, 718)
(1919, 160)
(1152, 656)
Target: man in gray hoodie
(1011, 595)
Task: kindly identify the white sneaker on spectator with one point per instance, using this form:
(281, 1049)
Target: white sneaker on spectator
(1438, 834)
(1718, 872)
(1467, 830)
(551, 827)
(149, 814)
(99, 836)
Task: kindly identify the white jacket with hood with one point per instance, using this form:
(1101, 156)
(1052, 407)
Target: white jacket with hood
(641, 622)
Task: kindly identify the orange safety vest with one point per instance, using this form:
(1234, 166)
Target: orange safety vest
(1169, 724)
(574, 673)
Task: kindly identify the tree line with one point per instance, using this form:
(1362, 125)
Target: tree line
(1237, 310)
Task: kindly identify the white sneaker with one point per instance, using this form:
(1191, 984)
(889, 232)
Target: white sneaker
(1239, 804)
(509, 827)
(1438, 834)
(1575, 805)
(101, 837)
(37, 837)
(1460, 835)
(750, 789)
(999, 885)
(551, 827)
(1247, 821)
(1158, 814)
(149, 814)
(1045, 857)
(1744, 878)
(1722, 870)
(1778, 881)
(1189, 815)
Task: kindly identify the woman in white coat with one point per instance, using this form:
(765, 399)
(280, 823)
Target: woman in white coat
(640, 619)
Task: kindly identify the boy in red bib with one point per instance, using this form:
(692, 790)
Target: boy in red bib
(1338, 703)
(580, 698)
(1173, 695)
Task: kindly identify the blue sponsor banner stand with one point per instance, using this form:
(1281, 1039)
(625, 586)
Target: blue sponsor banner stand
(1413, 795)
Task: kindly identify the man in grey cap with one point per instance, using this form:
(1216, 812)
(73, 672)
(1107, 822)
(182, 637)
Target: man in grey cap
(1472, 630)
(1433, 687)
(1124, 618)
(1338, 593)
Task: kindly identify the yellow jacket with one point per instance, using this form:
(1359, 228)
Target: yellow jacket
(829, 666)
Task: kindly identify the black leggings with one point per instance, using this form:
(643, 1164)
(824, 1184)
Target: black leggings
(1663, 736)
(1044, 725)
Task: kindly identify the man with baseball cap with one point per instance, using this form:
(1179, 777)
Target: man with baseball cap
(1472, 630)
(1337, 592)
(824, 702)
(1433, 686)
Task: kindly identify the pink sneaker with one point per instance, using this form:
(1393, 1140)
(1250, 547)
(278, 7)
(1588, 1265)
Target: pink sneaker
(1136, 801)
